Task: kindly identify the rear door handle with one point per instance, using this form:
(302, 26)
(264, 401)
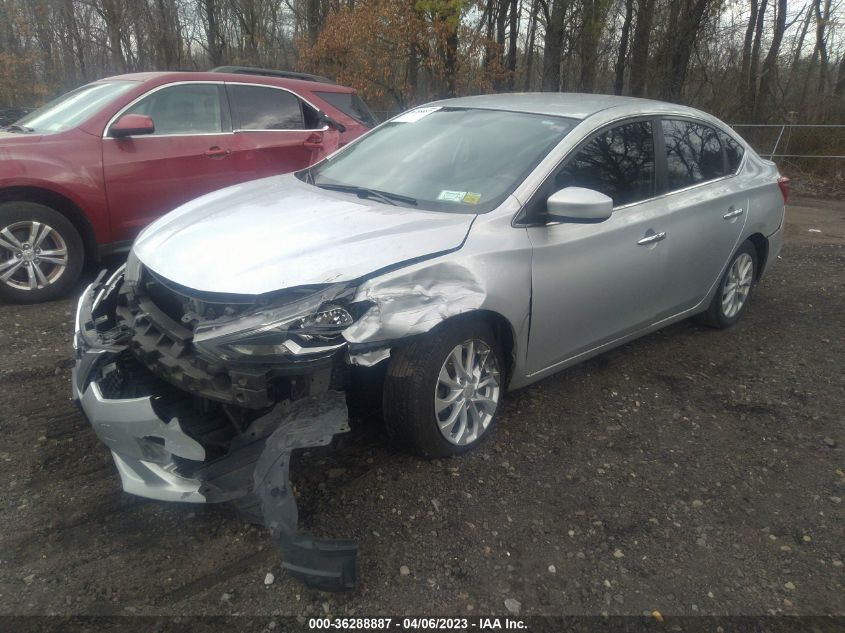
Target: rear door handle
(651, 239)
(732, 213)
(217, 152)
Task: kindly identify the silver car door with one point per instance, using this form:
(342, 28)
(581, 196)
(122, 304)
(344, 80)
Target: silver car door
(706, 206)
(593, 283)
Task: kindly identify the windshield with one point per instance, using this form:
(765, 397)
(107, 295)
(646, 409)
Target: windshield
(73, 108)
(457, 160)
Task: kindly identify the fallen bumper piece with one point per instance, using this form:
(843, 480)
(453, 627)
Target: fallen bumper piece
(326, 564)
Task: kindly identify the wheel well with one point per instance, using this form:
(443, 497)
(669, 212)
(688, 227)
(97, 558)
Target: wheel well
(761, 245)
(61, 204)
(501, 329)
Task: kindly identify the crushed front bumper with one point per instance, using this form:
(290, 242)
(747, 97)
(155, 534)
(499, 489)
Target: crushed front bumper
(157, 458)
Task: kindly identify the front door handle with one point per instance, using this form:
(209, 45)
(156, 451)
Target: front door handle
(217, 152)
(651, 239)
(732, 213)
(314, 141)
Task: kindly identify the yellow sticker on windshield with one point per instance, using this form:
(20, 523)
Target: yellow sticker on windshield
(472, 198)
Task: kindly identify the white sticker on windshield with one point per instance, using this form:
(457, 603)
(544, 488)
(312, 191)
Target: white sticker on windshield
(415, 115)
(451, 196)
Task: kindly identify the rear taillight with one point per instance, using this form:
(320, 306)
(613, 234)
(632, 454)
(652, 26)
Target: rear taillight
(783, 183)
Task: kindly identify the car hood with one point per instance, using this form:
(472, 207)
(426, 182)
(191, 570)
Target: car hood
(279, 233)
(19, 138)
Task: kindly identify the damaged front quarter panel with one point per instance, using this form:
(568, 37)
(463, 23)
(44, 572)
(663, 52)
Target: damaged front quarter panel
(413, 301)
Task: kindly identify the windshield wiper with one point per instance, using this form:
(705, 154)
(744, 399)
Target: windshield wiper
(18, 128)
(364, 192)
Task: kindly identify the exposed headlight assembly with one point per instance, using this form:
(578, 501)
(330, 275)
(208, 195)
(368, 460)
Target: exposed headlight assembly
(306, 327)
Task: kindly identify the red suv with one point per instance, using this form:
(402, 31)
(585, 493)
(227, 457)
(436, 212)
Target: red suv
(80, 177)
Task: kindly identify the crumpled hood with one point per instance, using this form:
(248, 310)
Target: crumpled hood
(280, 233)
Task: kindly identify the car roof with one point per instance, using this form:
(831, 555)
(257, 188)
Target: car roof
(565, 104)
(284, 82)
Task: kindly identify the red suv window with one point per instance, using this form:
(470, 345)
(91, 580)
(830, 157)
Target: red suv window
(258, 108)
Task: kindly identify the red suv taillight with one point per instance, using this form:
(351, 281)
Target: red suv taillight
(783, 183)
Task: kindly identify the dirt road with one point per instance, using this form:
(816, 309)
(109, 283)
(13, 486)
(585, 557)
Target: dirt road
(692, 472)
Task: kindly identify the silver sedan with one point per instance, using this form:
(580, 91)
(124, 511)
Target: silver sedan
(459, 250)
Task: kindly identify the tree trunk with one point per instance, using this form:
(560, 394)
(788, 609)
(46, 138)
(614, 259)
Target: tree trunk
(489, 25)
(639, 47)
(112, 14)
(448, 16)
(212, 32)
(753, 69)
(688, 20)
(313, 20)
(529, 53)
(501, 36)
(619, 79)
(747, 90)
(513, 32)
(592, 24)
(839, 88)
(796, 58)
(767, 75)
(553, 46)
(822, 19)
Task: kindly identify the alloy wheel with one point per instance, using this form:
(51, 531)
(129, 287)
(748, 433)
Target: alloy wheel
(33, 255)
(737, 285)
(467, 392)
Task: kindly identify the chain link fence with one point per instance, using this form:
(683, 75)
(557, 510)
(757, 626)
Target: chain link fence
(795, 140)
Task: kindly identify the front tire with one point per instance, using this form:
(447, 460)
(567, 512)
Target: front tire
(442, 391)
(734, 290)
(41, 253)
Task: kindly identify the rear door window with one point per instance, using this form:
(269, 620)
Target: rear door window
(618, 162)
(693, 153)
(260, 108)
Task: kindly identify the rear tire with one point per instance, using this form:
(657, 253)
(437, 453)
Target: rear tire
(734, 291)
(41, 253)
(443, 391)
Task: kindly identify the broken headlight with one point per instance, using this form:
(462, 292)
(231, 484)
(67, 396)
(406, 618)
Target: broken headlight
(309, 326)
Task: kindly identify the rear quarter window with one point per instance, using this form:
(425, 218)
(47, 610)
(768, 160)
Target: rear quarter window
(351, 105)
(733, 152)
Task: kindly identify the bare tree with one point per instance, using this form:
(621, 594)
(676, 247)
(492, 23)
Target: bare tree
(640, 47)
(622, 55)
(767, 75)
(685, 19)
(553, 45)
(822, 11)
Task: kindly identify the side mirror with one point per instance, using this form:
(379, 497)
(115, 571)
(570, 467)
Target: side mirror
(325, 118)
(132, 125)
(578, 204)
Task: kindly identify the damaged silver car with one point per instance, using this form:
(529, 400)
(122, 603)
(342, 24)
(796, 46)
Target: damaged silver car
(458, 251)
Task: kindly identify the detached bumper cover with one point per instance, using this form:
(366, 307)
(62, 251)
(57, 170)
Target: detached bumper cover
(143, 446)
(149, 452)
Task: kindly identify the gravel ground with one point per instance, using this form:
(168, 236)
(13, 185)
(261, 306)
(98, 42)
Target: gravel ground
(691, 472)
